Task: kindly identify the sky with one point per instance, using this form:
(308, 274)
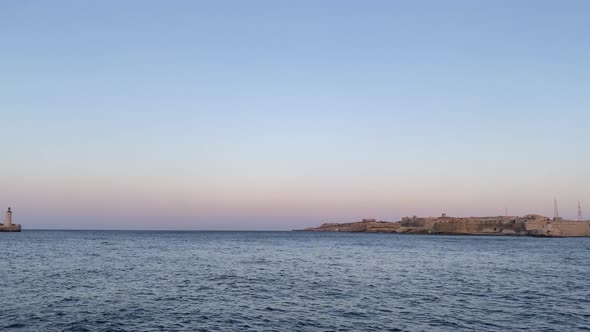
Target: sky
(277, 115)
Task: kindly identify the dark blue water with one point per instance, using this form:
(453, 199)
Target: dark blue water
(290, 281)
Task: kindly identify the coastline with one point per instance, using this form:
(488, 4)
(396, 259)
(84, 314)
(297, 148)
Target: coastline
(528, 225)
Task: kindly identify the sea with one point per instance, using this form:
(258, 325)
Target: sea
(291, 281)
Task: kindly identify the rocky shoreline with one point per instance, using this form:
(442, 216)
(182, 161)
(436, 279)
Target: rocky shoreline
(529, 225)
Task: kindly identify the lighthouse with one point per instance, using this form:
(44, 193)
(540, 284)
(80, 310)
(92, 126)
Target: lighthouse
(8, 218)
(8, 226)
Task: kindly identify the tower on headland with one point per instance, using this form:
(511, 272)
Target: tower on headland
(580, 211)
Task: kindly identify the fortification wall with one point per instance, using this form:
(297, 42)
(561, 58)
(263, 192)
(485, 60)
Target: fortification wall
(535, 225)
(458, 227)
(573, 228)
(528, 225)
(474, 226)
(418, 222)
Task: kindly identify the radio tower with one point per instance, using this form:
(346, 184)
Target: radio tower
(579, 211)
(555, 210)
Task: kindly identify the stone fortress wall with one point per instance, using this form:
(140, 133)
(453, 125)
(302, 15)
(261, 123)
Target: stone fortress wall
(532, 225)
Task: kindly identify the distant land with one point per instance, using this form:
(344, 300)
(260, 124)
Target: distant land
(528, 225)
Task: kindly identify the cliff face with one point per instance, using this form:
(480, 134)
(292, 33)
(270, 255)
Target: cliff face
(533, 225)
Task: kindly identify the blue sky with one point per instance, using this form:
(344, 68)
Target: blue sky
(282, 114)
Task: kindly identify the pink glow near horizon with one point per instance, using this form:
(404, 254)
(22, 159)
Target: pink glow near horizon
(140, 204)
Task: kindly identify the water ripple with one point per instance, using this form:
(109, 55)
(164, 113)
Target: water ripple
(289, 281)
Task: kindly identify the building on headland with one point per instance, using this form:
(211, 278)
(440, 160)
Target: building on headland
(8, 226)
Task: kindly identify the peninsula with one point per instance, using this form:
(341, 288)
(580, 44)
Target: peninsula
(8, 226)
(528, 225)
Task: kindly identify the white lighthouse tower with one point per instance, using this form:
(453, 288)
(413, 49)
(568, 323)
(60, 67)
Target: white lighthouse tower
(8, 226)
(8, 218)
